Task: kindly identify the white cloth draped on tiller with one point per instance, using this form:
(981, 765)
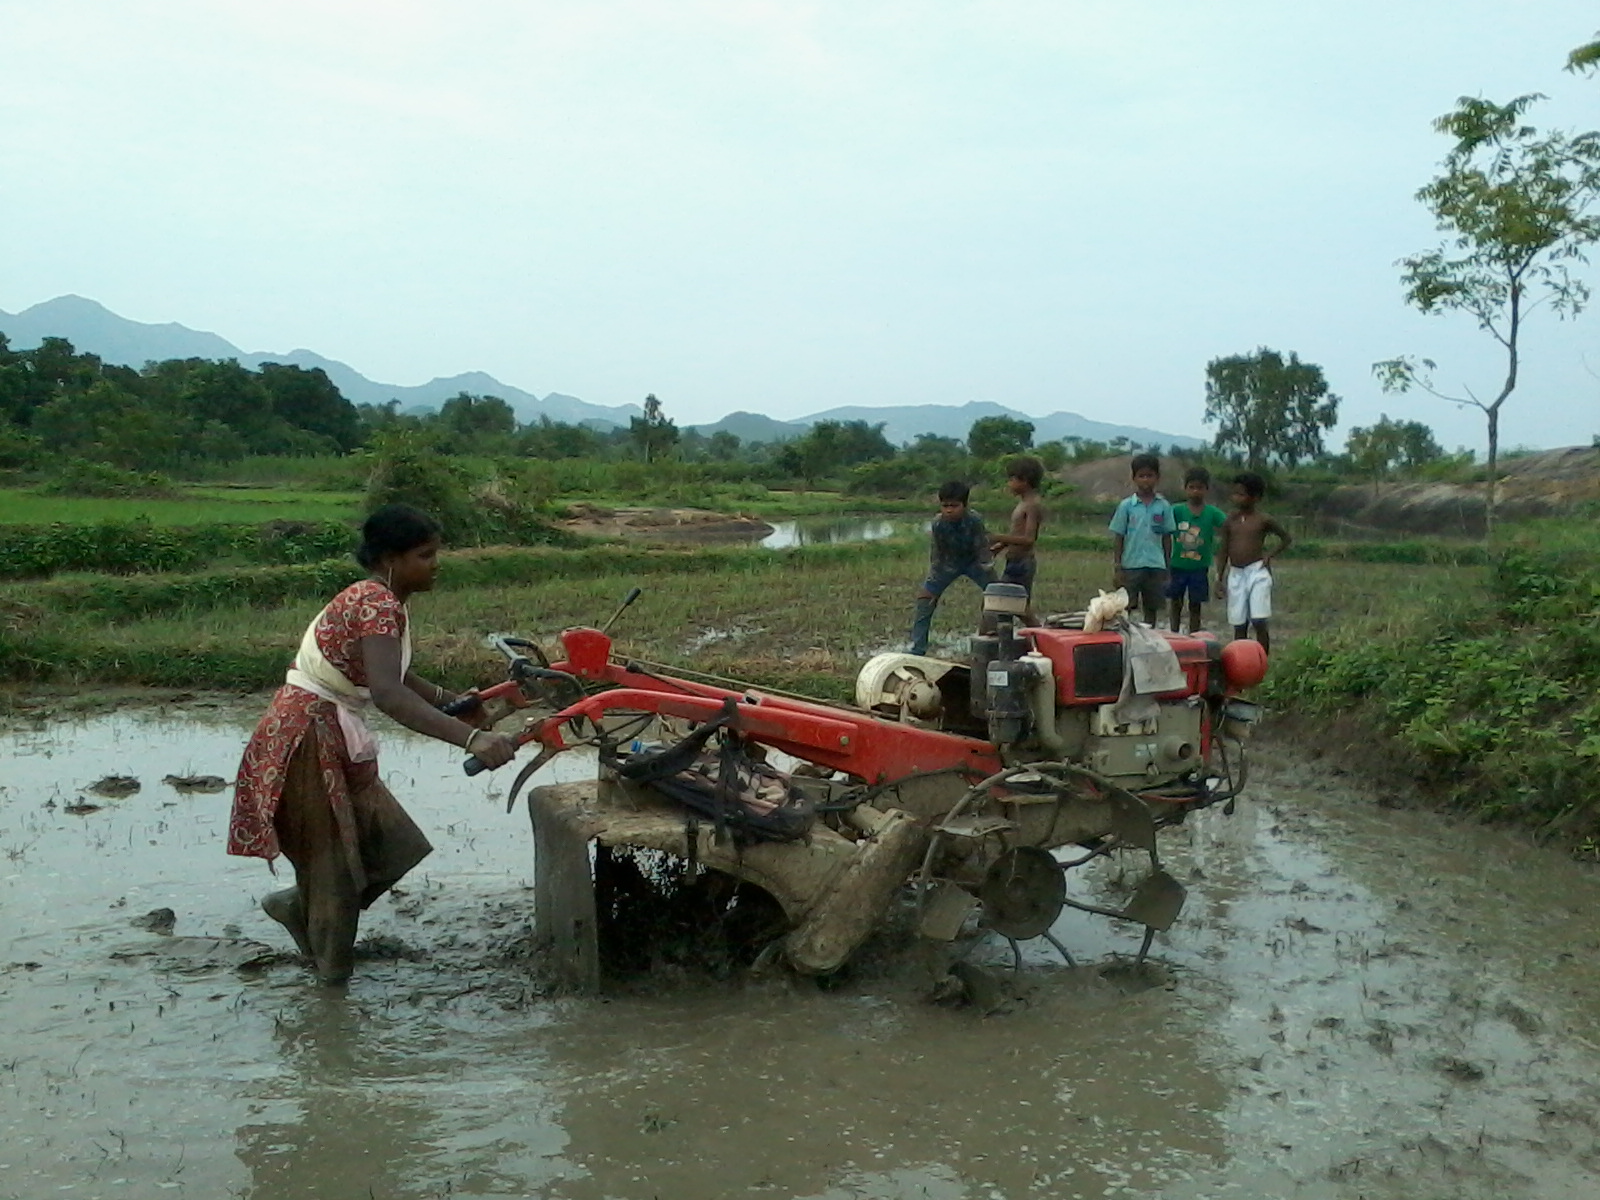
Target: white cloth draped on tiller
(1150, 667)
(313, 672)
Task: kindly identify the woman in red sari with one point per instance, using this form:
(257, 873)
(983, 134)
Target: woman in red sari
(308, 786)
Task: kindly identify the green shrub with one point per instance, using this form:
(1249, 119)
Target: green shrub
(1495, 692)
(128, 547)
(76, 477)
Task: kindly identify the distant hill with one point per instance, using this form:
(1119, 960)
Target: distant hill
(92, 327)
(755, 427)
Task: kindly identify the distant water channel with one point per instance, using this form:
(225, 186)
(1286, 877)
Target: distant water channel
(787, 534)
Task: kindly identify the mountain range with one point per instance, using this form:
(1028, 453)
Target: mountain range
(93, 328)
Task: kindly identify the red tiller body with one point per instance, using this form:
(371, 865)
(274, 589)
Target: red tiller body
(868, 747)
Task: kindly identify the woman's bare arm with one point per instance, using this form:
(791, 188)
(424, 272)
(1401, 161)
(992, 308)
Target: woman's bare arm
(381, 656)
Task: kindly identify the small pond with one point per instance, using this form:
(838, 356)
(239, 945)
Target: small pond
(827, 531)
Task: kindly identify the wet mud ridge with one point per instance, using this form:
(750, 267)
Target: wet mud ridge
(1357, 1002)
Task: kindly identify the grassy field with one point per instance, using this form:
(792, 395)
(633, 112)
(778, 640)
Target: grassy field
(801, 619)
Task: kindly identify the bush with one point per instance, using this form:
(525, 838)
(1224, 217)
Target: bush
(76, 477)
(128, 547)
(505, 509)
(1495, 694)
(900, 477)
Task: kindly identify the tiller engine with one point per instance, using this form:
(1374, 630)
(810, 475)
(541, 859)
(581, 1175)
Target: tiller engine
(979, 784)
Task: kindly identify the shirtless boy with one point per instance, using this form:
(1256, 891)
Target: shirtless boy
(1024, 475)
(1244, 566)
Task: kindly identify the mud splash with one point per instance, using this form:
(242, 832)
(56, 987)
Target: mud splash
(1357, 1003)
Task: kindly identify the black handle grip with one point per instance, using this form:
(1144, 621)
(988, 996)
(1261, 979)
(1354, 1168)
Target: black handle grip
(464, 703)
(474, 766)
(633, 594)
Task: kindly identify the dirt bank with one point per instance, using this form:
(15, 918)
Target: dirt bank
(1535, 485)
(1358, 1002)
(662, 524)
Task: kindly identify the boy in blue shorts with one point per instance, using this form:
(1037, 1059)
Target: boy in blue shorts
(1141, 539)
(959, 546)
(1194, 539)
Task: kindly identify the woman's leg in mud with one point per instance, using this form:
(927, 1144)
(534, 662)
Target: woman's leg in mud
(328, 895)
(391, 843)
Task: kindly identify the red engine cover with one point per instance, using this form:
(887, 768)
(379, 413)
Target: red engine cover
(1088, 666)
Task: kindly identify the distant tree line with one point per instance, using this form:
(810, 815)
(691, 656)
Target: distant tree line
(58, 402)
(63, 411)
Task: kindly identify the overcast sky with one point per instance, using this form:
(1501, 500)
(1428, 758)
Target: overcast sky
(783, 206)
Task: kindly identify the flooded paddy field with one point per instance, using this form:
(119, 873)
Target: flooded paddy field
(1357, 1002)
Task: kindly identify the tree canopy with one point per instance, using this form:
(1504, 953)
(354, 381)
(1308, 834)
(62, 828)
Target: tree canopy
(994, 437)
(1388, 446)
(829, 446)
(1268, 408)
(654, 433)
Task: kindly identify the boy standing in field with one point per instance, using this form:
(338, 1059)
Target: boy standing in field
(1244, 568)
(1141, 539)
(1194, 537)
(1024, 476)
(960, 546)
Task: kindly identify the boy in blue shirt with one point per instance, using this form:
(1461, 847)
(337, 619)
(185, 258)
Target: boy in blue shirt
(959, 546)
(1141, 539)
(1194, 539)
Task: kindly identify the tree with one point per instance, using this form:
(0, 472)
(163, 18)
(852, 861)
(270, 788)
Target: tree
(1053, 455)
(1586, 57)
(1268, 408)
(654, 433)
(557, 439)
(723, 446)
(310, 400)
(1381, 449)
(831, 446)
(994, 437)
(1516, 204)
(475, 420)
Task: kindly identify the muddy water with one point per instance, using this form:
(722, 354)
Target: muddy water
(1357, 1003)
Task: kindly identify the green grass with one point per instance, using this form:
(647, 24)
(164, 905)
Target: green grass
(1485, 683)
(196, 506)
(803, 619)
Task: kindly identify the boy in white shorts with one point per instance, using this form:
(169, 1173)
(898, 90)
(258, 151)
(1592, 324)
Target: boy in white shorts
(1244, 567)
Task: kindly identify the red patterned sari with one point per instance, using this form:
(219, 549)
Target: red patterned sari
(365, 609)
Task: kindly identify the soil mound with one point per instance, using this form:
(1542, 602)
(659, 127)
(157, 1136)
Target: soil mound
(661, 524)
(1536, 485)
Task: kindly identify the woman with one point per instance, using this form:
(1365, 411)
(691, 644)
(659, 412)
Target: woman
(308, 786)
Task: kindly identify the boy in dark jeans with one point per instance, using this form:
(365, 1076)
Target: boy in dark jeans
(960, 546)
(1194, 540)
(1141, 539)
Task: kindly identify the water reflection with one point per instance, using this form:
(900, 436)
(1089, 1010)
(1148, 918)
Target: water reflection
(370, 1104)
(788, 534)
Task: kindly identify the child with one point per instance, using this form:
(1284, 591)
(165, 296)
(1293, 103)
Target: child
(1024, 475)
(1244, 569)
(1141, 539)
(1195, 526)
(960, 546)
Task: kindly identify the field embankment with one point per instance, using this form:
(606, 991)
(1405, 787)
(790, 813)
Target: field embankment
(1490, 694)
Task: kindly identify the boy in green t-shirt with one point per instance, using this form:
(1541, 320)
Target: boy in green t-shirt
(1195, 526)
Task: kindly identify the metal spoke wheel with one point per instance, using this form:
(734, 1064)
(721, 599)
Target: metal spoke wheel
(1022, 889)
